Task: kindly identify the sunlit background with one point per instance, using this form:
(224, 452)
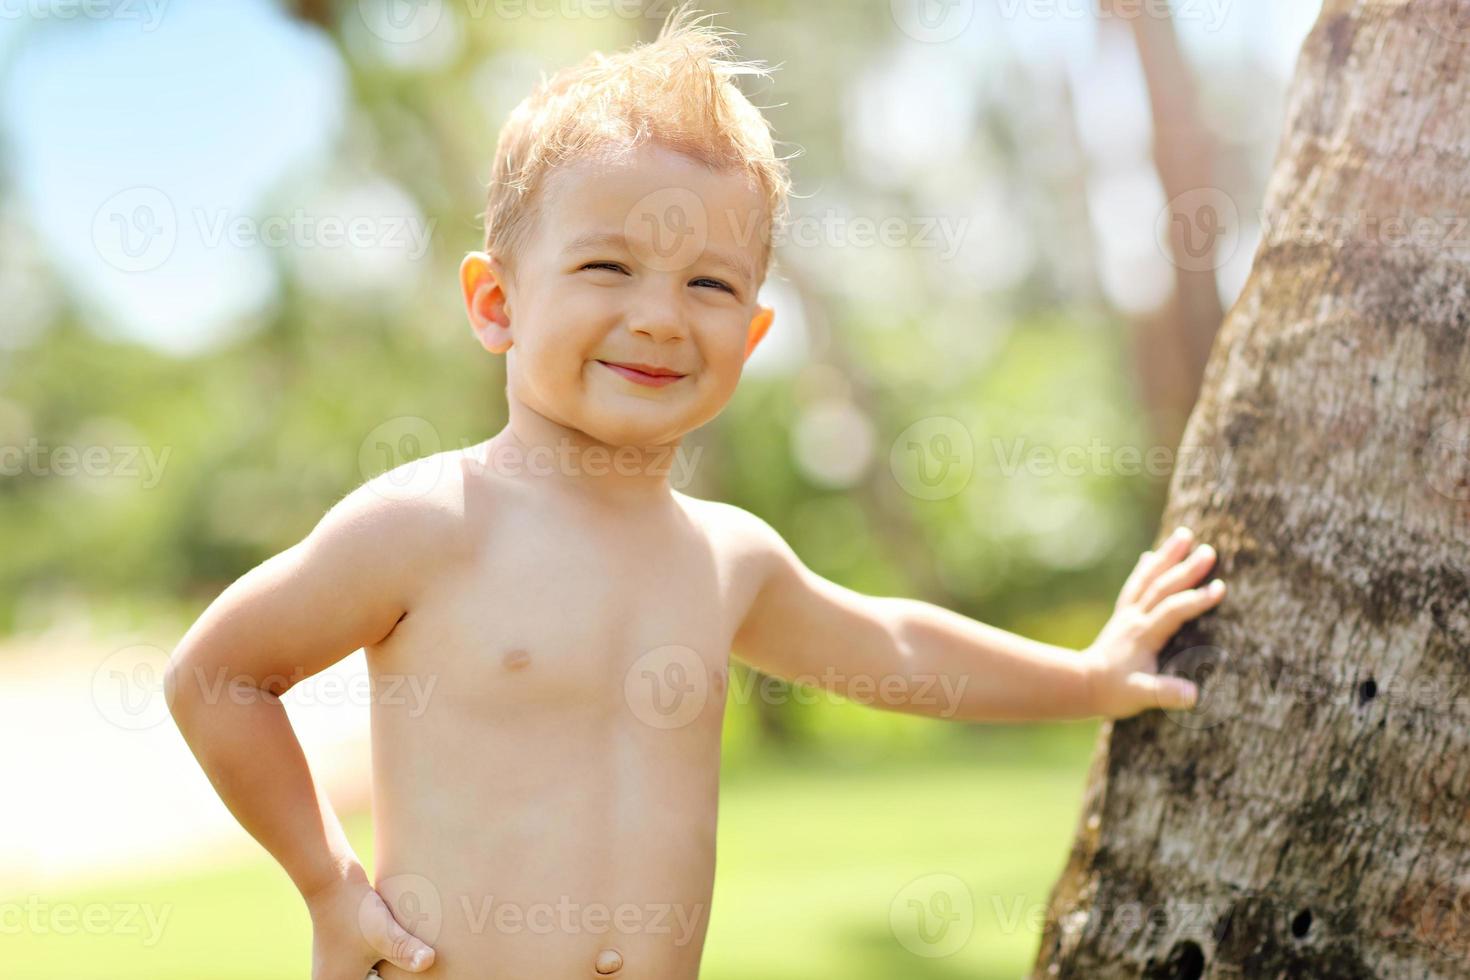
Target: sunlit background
(229, 235)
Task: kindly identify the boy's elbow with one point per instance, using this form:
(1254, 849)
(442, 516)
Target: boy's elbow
(175, 695)
(896, 618)
(181, 690)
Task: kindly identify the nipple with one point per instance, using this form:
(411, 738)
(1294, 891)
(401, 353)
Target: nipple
(609, 960)
(515, 659)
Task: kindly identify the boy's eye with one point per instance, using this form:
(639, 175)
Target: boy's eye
(615, 267)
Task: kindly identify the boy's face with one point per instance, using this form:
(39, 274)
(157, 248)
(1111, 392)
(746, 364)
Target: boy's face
(647, 259)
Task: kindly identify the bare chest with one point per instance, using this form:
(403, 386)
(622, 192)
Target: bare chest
(550, 621)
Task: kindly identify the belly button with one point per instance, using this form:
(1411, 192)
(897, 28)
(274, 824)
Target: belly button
(609, 960)
(515, 660)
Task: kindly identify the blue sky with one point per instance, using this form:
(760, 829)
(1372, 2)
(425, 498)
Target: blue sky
(210, 108)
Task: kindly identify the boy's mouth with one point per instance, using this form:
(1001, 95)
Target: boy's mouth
(643, 374)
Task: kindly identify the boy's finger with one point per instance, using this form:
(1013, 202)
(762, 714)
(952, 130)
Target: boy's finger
(1174, 611)
(402, 948)
(1165, 557)
(1182, 576)
(1164, 691)
(1133, 587)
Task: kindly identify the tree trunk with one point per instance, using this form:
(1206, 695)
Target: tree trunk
(1309, 817)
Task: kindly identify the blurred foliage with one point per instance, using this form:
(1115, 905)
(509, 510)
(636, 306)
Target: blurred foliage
(258, 435)
(346, 362)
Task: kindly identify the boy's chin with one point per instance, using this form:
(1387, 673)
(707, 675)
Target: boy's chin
(633, 431)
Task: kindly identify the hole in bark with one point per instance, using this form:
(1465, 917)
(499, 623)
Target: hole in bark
(1302, 924)
(1367, 691)
(1186, 962)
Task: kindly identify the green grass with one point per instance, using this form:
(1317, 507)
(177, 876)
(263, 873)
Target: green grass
(812, 858)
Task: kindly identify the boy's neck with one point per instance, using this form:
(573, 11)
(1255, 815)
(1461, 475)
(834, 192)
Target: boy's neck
(534, 447)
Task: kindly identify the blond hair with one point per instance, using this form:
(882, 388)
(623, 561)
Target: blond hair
(675, 90)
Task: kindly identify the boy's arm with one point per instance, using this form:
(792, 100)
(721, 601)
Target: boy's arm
(913, 656)
(344, 586)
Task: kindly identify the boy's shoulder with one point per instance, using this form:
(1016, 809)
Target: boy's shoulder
(760, 562)
(734, 530)
(415, 509)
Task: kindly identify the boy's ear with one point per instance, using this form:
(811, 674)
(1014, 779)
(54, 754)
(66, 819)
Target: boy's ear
(759, 324)
(481, 279)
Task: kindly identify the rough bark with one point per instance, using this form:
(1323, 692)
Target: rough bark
(1309, 818)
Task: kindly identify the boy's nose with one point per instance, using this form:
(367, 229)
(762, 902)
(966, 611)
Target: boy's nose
(657, 326)
(656, 312)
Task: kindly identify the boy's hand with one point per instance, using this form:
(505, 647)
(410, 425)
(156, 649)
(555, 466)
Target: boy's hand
(1157, 599)
(353, 930)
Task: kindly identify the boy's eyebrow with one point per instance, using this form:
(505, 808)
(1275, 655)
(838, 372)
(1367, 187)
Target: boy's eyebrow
(602, 239)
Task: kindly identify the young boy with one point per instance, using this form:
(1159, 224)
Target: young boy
(550, 810)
